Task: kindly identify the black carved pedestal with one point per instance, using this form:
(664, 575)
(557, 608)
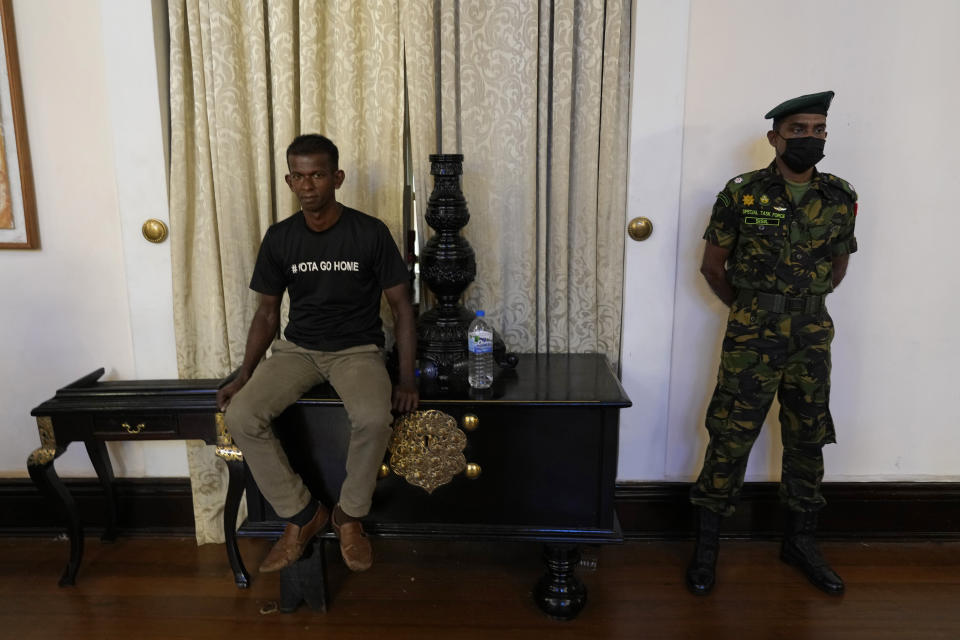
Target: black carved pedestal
(305, 580)
(447, 266)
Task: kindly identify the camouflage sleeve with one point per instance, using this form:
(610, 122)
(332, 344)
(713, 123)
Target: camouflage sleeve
(846, 242)
(724, 226)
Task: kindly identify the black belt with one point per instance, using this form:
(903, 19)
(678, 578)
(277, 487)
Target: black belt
(781, 304)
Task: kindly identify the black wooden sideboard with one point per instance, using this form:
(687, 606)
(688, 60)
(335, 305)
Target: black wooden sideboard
(541, 448)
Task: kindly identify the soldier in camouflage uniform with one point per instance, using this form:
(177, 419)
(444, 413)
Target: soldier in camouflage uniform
(778, 241)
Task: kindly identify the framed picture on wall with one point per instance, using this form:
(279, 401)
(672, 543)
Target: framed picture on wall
(18, 206)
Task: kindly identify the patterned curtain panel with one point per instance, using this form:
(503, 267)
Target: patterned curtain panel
(246, 77)
(536, 97)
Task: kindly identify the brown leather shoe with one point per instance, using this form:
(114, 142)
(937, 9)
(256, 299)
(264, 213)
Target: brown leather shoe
(354, 545)
(289, 547)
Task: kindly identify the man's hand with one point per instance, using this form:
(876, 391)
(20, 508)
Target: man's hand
(227, 391)
(714, 270)
(263, 329)
(406, 397)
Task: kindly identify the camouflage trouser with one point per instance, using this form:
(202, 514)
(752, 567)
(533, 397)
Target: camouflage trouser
(767, 353)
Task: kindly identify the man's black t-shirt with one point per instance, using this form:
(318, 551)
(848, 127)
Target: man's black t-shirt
(334, 277)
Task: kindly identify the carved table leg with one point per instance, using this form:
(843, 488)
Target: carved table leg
(40, 466)
(559, 593)
(97, 450)
(230, 509)
(231, 454)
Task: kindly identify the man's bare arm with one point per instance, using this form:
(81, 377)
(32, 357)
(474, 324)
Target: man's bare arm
(263, 329)
(406, 395)
(840, 268)
(714, 269)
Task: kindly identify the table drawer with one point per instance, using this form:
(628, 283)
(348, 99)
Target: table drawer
(135, 426)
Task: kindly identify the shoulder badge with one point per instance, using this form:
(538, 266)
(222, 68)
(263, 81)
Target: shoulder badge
(741, 181)
(841, 184)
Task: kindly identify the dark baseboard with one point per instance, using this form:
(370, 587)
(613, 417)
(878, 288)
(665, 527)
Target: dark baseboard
(146, 506)
(647, 510)
(855, 510)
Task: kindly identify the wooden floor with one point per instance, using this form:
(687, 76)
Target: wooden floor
(162, 588)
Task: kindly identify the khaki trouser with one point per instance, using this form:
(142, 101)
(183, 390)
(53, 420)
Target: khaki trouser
(360, 378)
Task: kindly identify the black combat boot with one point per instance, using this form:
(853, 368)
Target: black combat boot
(800, 549)
(702, 570)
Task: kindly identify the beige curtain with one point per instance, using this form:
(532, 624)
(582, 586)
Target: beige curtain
(246, 77)
(535, 95)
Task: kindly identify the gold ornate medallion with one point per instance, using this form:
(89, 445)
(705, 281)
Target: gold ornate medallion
(426, 448)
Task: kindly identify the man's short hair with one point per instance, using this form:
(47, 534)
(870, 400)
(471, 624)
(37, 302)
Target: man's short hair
(310, 144)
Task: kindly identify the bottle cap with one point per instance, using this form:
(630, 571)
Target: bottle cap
(479, 313)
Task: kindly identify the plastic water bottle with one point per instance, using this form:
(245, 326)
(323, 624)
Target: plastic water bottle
(480, 353)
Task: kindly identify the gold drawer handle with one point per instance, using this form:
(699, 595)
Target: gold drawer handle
(470, 422)
(133, 430)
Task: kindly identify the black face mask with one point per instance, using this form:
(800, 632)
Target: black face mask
(802, 153)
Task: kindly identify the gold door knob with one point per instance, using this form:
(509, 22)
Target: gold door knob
(470, 421)
(640, 228)
(154, 230)
(472, 470)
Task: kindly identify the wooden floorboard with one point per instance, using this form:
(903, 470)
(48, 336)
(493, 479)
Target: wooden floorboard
(168, 588)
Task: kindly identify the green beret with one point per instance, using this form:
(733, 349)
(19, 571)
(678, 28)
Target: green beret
(810, 103)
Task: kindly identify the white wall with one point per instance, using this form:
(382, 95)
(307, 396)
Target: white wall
(894, 67)
(67, 308)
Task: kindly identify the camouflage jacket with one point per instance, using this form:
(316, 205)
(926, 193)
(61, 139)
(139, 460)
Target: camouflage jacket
(779, 246)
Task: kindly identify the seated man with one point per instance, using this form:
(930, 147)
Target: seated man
(334, 262)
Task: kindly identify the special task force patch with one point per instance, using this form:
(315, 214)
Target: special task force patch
(761, 217)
